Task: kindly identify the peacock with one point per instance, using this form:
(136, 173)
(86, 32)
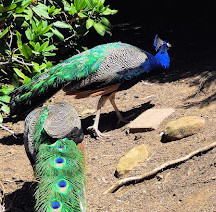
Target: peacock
(102, 70)
(53, 141)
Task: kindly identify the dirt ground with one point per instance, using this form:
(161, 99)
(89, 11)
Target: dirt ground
(190, 186)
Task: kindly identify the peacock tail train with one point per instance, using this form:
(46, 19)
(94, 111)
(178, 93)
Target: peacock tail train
(60, 170)
(59, 164)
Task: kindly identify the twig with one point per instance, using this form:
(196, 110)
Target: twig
(23, 63)
(18, 61)
(149, 174)
(5, 63)
(10, 131)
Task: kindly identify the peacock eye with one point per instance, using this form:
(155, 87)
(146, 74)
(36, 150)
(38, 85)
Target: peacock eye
(61, 147)
(59, 160)
(55, 205)
(62, 184)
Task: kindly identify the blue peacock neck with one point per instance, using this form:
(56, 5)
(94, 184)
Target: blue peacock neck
(162, 57)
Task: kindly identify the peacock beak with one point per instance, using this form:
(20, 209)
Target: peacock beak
(169, 45)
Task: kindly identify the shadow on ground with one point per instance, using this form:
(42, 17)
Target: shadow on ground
(108, 121)
(21, 200)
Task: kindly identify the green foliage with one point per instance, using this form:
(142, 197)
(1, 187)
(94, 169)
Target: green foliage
(33, 31)
(4, 99)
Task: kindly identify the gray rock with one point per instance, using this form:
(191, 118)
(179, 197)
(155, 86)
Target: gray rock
(183, 127)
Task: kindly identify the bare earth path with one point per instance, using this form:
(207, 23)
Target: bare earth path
(190, 186)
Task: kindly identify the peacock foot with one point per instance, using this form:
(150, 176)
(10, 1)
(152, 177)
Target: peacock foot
(96, 131)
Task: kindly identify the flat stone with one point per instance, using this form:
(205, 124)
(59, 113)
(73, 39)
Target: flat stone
(149, 120)
(183, 127)
(132, 159)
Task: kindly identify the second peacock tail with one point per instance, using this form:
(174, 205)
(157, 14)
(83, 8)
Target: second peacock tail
(59, 165)
(102, 70)
(60, 171)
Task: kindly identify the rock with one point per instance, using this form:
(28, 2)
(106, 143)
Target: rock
(132, 159)
(149, 120)
(88, 112)
(183, 127)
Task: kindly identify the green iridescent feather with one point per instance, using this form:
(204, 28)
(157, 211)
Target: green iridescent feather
(40, 135)
(50, 172)
(73, 69)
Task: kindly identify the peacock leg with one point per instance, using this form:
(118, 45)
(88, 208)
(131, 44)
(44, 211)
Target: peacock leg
(120, 117)
(94, 127)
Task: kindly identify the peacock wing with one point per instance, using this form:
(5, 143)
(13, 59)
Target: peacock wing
(113, 69)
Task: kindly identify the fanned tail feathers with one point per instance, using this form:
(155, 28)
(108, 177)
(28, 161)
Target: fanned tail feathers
(60, 170)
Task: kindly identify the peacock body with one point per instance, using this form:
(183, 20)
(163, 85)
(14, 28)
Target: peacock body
(102, 70)
(51, 136)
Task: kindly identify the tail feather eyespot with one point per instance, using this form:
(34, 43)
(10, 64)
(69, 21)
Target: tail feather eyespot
(59, 162)
(55, 206)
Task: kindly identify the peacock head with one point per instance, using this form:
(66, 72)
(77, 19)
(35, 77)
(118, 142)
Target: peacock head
(160, 44)
(162, 56)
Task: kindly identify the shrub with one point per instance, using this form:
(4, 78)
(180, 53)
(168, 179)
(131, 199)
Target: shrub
(33, 31)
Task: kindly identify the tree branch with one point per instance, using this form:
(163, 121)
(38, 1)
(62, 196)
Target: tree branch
(18, 61)
(149, 174)
(10, 131)
(21, 62)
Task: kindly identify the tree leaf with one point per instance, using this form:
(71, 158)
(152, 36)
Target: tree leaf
(26, 51)
(51, 9)
(1, 118)
(5, 108)
(45, 30)
(5, 99)
(61, 24)
(43, 46)
(100, 28)
(105, 21)
(56, 11)
(19, 41)
(79, 4)
(33, 25)
(29, 14)
(82, 15)
(6, 89)
(50, 48)
(48, 34)
(89, 23)
(28, 33)
(67, 6)
(72, 10)
(26, 3)
(8, 8)
(90, 3)
(47, 54)
(57, 33)
(41, 13)
(4, 32)
(19, 73)
(108, 11)
(37, 46)
(26, 80)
